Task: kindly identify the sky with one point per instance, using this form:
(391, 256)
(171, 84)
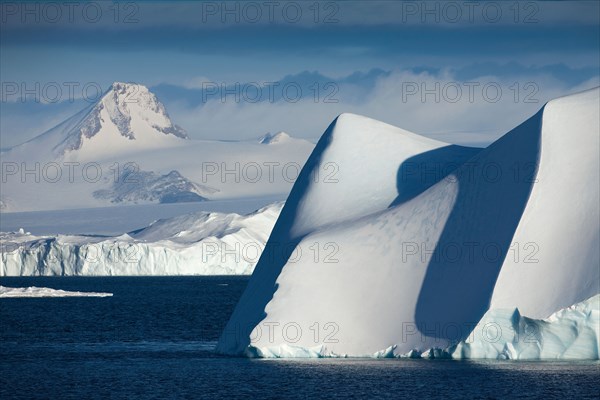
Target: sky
(463, 72)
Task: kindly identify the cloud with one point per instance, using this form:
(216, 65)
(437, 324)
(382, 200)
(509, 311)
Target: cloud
(197, 82)
(439, 105)
(219, 15)
(474, 104)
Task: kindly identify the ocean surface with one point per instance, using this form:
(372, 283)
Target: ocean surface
(154, 338)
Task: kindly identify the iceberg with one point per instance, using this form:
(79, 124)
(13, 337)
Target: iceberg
(192, 244)
(430, 239)
(569, 334)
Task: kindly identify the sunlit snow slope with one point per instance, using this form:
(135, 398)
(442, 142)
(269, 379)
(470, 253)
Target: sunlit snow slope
(415, 258)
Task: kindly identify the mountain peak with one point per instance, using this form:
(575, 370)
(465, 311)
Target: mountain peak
(126, 111)
(131, 96)
(133, 93)
(270, 138)
(121, 85)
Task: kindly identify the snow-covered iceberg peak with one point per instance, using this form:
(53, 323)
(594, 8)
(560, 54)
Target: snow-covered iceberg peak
(360, 166)
(420, 240)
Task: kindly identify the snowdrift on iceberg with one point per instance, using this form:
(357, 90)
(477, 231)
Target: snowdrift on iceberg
(430, 237)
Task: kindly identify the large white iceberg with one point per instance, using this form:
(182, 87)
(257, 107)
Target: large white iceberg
(426, 240)
(192, 244)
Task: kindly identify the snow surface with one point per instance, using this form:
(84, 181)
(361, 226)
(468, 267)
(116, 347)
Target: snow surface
(192, 244)
(126, 150)
(33, 291)
(419, 257)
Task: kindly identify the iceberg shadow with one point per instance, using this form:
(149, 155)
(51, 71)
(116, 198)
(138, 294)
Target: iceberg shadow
(493, 190)
(424, 170)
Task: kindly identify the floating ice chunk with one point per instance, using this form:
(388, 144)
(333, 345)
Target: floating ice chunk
(387, 353)
(33, 291)
(286, 351)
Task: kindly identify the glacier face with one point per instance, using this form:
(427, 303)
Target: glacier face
(192, 244)
(419, 260)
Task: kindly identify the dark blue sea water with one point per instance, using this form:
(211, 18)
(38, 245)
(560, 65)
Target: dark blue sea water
(153, 340)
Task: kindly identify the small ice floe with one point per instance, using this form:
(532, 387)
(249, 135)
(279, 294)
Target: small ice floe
(33, 291)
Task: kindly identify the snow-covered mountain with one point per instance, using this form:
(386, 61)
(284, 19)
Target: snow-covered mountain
(143, 186)
(191, 244)
(423, 245)
(125, 149)
(128, 117)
